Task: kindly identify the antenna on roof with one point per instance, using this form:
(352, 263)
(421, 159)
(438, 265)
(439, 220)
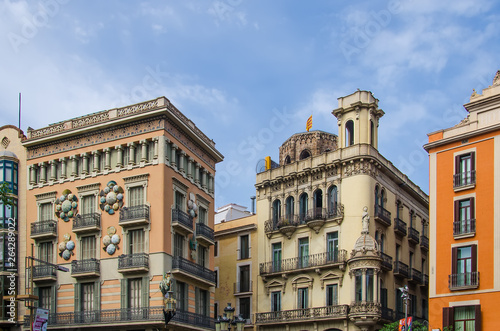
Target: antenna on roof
(19, 125)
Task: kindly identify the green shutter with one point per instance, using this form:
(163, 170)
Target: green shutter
(97, 295)
(124, 291)
(145, 291)
(77, 297)
(53, 303)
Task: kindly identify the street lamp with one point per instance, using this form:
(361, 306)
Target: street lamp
(223, 323)
(168, 295)
(405, 295)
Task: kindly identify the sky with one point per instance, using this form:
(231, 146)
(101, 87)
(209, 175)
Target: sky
(249, 73)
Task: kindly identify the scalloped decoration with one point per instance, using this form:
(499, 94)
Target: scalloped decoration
(66, 206)
(111, 198)
(66, 247)
(111, 240)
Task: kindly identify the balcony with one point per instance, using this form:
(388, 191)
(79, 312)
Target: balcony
(382, 215)
(415, 276)
(463, 281)
(182, 222)
(309, 262)
(85, 268)
(464, 180)
(187, 269)
(424, 242)
(44, 229)
(335, 213)
(204, 234)
(425, 280)
(464, 228)
(135, 215)
(387, 314)
(151, 316)
(365, 311)
(399, 227)
(131, 263)
(413, 235)
(87, 223)
(243, 288)
(401, 269)
(44, 273)
(338, 312)
(386, 261)
(316, 218)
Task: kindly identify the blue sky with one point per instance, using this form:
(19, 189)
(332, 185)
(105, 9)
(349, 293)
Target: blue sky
(250, 72)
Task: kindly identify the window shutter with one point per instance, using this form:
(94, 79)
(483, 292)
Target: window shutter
(97, 295)
(454, 251)
(197, 300)
(448, 319)
(473, 161)
(472, 209)
(457, 164)
(124, 291)
(477, 323)
(77, 298)
(145, 291)
(474, 257)
(53, 297)
(457, 210)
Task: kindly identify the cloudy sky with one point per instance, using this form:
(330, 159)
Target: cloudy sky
(250, 72)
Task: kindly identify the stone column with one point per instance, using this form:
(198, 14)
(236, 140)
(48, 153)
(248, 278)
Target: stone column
(168, 152)
(43, 172)
(204, 178)
(119, 161)
(131, 153)
(363, 285)
(64, 167)
(85, 164)
(155, 151)
(74, 161)
(375, 285)
(182, 161)
(107, 158)
(53, 169)
(197, 173)
(32, 174)
(96, 155)
(190, 168)
(210, 183)
(144, 150)
(173, 156)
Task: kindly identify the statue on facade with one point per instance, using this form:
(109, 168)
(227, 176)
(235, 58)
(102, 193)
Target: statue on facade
(365, 220)
(166, 284)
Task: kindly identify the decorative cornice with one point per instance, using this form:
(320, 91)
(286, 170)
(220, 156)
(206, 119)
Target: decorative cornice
(45, 196)
(136, 178)
(88, 187)
(180, 184)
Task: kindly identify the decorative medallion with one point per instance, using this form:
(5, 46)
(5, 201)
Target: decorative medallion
(66, 247)
(111, 241)
(66, 206)
(111, 198)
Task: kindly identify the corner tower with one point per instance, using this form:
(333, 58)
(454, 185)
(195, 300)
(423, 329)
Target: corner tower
(357, 117)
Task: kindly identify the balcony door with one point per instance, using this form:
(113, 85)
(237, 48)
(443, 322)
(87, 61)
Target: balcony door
(303, 207)
(303, 294)
(244, 278)
(136, 241)
(276, 257)
(332, 244)
(303, 252)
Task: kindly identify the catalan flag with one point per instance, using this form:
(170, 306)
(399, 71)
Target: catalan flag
(309, 123)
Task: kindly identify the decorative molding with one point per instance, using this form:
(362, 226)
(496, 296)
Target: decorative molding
(88, 187)
(136, 178)
(180, 184)
(46, 196)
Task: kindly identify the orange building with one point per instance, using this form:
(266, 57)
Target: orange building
(120, 197)
(464, 185)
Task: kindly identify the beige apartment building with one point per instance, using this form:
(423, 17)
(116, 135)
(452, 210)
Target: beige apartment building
(340, 230)
(120, 197)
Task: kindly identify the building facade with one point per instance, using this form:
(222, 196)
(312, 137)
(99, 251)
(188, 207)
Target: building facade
(120, 197)
(340, 230)
(464, 186)
(236, 246)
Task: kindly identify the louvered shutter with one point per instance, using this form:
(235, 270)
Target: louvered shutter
(454, 251)
(473, 249)
(477, 323)
(53, 301)
(123, 292)
(97, 295)
(448, 319)
(145, 292)
(77, 304)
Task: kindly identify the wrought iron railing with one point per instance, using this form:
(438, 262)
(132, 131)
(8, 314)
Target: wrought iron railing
(87, 220)
(416, 276)
(463, 280)
(182, 218)
(243, 287)
(205, 231)
(399, 227)
(425, 280)
(401, 269)
(387, 313)
(125, 315)
(328, 312)
(413, 235)
(44, 227)
(382, 215)
(464, 179)
(129, 261)
(386, 261)
(464, 227)
(85, 266)
(335, 211)
(424, 242)
(43, 271)
(140, 212)
(193, 268)
(304, 262)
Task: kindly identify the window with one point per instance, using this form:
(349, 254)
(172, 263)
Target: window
(464, 267)
(7, 212)
(216, 249)
(413, 305)
(290, 208)
(383, 296)
(178, 245)
(425, 314)
(465, 222)
(45, 251)
(87, 297)
(125, 156)
(134, 293)
(304, 154)
(276, 301)
(245, 308)
(318, 204)
(463, 318)
(44, 297)
(88, 247)
(303, 207)
(244, 247)
(181, 295)
(202, 215)
(202, 302)
(136, 241)
(332, 201)
(202, 255)
(400, 310)
(465, 172)
(9, 174)
(287, 159)
(332, 295)
(332, 245)
(349, 133)
(276, 211)
(302, 298)
(276, 249)
(136, 196)
(358, 279)
(88, 205)
(46, 212)
(216, 276)
(372, 134)
(151, 150)
(180, 201)
(244, 276)
(303, 252)
(216, 310)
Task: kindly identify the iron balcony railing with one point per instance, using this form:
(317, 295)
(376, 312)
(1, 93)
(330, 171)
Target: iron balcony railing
(132, 261)
(464, 179)
(304, 262)
(87, 220)
(413, 235)
(399, 227)
(401, 269)
(415, 276)
(205, 231)
(386, 261)
(424, 242)
(182, 218)
(193, 268)
(382, 215)
(85, 266)
(243, 287)
(387, 313)
(463, 280)
(125, 315)
(140, 212)
(44, 271)
(44, 228)
(463, 227)
(329, 312)
(304, 217)
(335, 211)
(425, 280)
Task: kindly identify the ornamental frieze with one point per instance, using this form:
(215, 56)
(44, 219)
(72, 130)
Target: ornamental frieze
(360, 166)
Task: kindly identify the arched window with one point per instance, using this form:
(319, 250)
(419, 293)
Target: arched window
(276, 211)
(349, 133)
(318, 203)
(287, 159)
(290, 208)
(304, 154)
(376, 198)
(382, 198)
(303, 207)
(332, 200)
(381, 244)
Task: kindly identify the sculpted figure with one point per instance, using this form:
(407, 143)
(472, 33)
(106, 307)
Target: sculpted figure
(365, 220)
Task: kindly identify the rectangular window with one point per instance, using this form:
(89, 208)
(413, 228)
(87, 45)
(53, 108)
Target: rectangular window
(178, 245)
(87, 297)
(45, 251)
(202, 302)
(151, 150)
(244, 278)
(88, 247)
(332, 244)
(413, 305)
(46, 212)
(369, 285)
(202, 255)
(245, 308)
(303, 252)
(134, 293)
(181, 295)
(136, 241)
(202, 215)
(464, 217)
(276, 248)
(244, 247)
(216, 272)
(302, 298)
(216, 249)
(383, 297)
(332, 295)
(358, 280)
(44, 297)
(276, 301)
(465, 173)
(136, 196)
(180, 201)
(102, 161)
(88, 205)
(465, 318)
(125, 156)
(464, 267)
